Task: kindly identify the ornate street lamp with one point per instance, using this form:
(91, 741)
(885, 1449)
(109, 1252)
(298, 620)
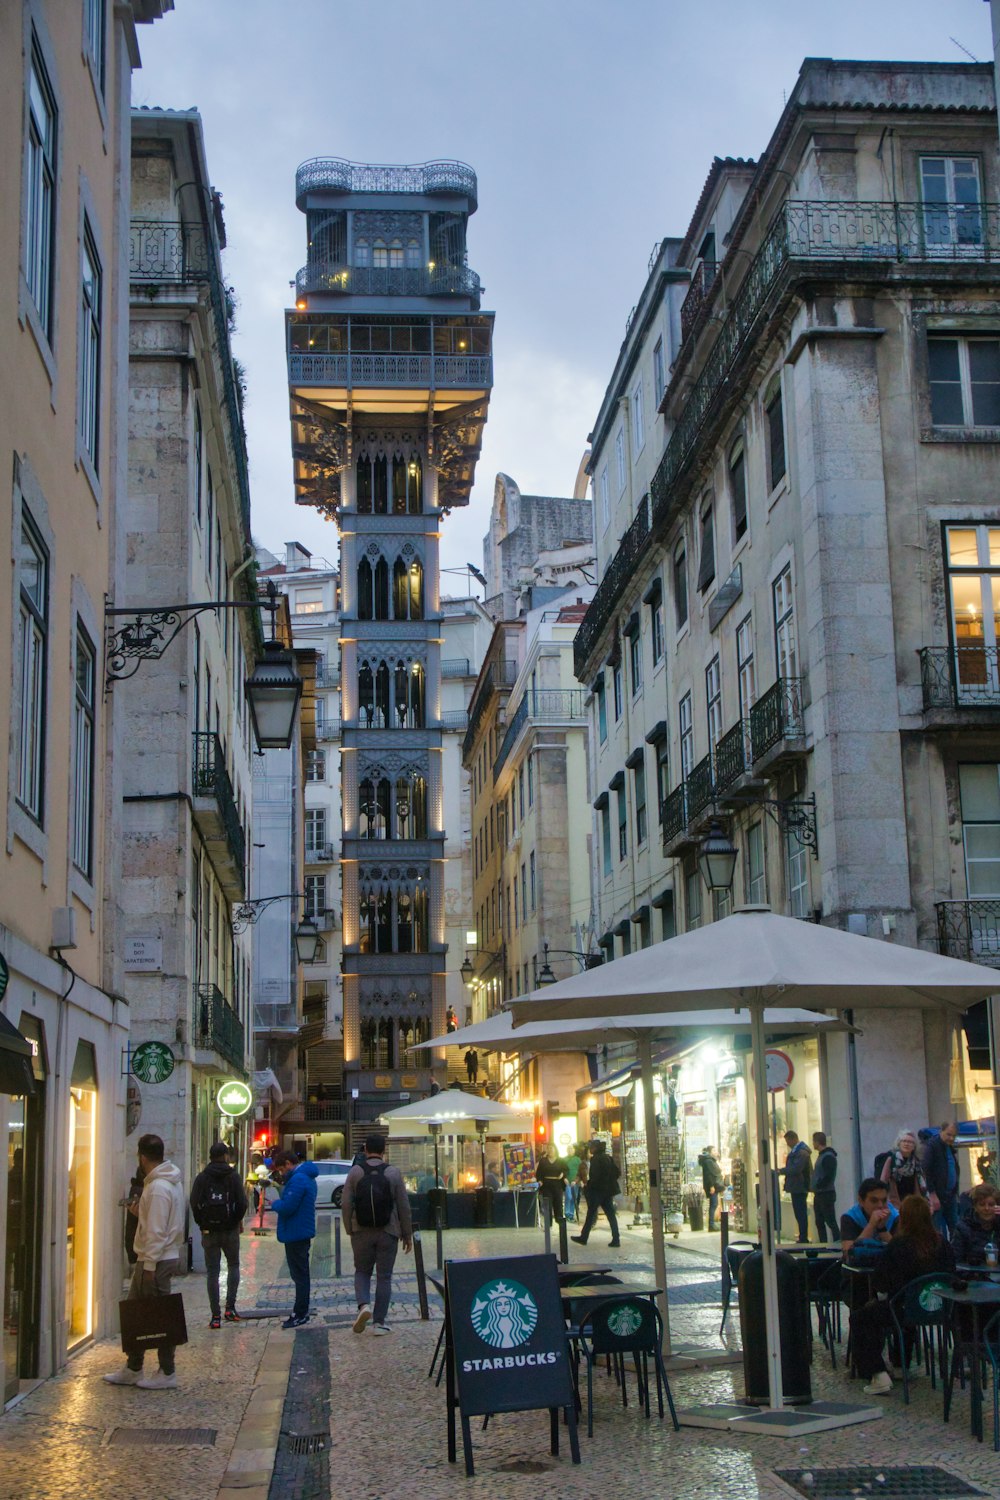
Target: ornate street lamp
(273, 693)
(717, 858)
(307, 941)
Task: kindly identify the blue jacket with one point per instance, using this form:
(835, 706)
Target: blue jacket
(296, 1208)
(857, 1216)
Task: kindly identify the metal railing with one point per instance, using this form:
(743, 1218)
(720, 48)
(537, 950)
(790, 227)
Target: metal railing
(219, 1027)
(700, 788)
(161, 252)
(673, 813)
(457, 666)
(731, 755)
(211, 779)
(331, 174)
(497, 674)
(324, 1109)
(327, 674)
(320, 854)
(455, 718)
(970, 930)
(776, 716)
(960, 676)
(611, 587)
(541, 706)
(431, 370)
(697, 295)
(328, 729)
(388, 281)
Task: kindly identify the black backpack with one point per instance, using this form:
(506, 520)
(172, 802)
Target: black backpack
(217, 1209)
(373, 1197)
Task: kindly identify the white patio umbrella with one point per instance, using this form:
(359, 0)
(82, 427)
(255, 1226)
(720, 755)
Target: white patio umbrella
(755, 959)
(457, 1111)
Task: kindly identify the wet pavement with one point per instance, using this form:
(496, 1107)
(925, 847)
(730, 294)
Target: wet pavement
(293, 1413)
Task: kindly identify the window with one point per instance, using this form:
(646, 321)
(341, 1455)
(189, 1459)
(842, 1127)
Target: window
(952, 217)
(685, 721)
(40, 188)
(638, 422)
(531, 876)
(606, 839)
(531, 779)
(602, 708)
(315, 830)
(656, 627)
(635, 661)
(616, 687)
(33, 630)
(210, 517)
(639, 785)
(524, 895)
(605, 499)
(520, 791)
(90, 346)
(199, 452)
(756, 882)
(93, 36)
(622, 801)
(680, 587)
(316, 897)
(797, 874)
(620, 459)
(775, 431)
(308, 602)
(662, 772)
(979, 786)
(692, 898)
(83, 753)
(973, 562)
(746, 672)
(659, 374)
(713, 694)
(964, 378)
(785, 660)
(722, 905)
(738, 488)
(516, 923)
(706, 561)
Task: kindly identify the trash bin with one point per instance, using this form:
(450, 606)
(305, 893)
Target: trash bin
(484, 1207)
(437, 1198)
(796, 1328)
(696, 1212)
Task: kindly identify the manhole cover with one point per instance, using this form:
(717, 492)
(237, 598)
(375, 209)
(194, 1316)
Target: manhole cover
(849, 1483)
(310, 1442)
(523, 1466)
(176, 1437)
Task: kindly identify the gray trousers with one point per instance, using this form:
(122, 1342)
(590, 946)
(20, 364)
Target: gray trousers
(374, 1250)
(165, 1269)
(216, 1243)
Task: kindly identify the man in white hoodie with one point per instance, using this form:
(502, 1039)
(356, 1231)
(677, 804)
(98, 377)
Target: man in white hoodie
(158, 1239)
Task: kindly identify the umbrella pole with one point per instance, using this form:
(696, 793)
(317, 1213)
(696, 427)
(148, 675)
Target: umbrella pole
(655, 1200)
(776, 1394)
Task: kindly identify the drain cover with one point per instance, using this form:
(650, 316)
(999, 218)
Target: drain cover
(523, 1466)
(849, 1483)
(175, 1437)
(310, 1442)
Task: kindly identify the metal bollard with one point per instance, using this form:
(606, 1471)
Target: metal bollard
(418, 1266)
(563, 1243)
(336, 1245)
(546, 1207)
(440, 1238)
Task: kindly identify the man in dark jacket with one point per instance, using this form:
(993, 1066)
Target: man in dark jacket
(711, 1180)
(940, 1165)
(798, 1171)
(824, 1189)
(296, 1211)
(550, 1174)
(600, 1190)
(219, 1205)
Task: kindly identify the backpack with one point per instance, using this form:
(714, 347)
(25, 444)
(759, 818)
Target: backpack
(373, 1197)
(217, 1209)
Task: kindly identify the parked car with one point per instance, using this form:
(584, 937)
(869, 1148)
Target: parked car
(330, 1182)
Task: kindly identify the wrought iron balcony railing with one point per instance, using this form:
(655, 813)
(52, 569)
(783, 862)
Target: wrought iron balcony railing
(970, 930)
(433, 371)
(167, 252)
(497, 674)
(457, 666)
(328, 729)
(776, 716)
(327, 674)
(211, 779)
(611, 587)
(673, 813)
(330, 174)
(320, 854)
(219, 1027)
(731, 755)
(700, 788)
(331, 1108)
(541, 706)
(697, 295)
(964, 676)
(388, 281)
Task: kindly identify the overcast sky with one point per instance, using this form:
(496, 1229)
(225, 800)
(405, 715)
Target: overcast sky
(591, 125)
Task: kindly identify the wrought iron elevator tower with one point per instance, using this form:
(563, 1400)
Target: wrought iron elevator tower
(389, 372)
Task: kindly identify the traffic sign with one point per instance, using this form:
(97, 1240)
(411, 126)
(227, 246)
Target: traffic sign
(780, 1070)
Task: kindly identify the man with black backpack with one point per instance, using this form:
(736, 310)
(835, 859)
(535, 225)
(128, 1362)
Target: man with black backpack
(219, 1205)
(376, 1214)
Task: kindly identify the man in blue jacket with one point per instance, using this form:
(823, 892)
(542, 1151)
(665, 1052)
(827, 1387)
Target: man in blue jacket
(296, 1211)
(940, 1164)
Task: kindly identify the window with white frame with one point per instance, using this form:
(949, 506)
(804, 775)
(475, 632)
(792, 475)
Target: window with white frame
(662, 772)
(745, 670)
(40, 185)
(605, 840)
(755, 873)
(602, 708)
(531, 876)
(951, 204)
(32, 664)
(199, 459)
(516, 918)
(785, 654)
(635, 660)
(620, 459)
(692, 899)
(737, 467)
(964, 379)
(531, 777)
(972, 558)
(90, 345)
(93, 35)
(797, 874)
(605, 498)
(622, 804)
(706, 560)
(315, 829)
(524, 894)
(83, 753)
(315, 894)
(659, 371)
(713, 695)
(685, 724)
(616, 686)
(656, 626)
(210, 518)
(774, 428)
(722, 905)
(638, 422)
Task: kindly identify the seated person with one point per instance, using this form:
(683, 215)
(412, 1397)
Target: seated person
(428, 1182)
(971, 1235)
(916, 1249)
(492, 1176)
(866, 1229)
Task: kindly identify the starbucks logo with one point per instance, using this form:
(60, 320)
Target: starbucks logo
(624, 1321)
(504, 1314)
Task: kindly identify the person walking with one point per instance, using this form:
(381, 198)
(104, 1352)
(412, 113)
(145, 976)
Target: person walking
(940, 1164)
(798, 1172)
(472, 1065)
(902, 1171)
(376, 1215)
(823, 1186)
(712, 1181)
(159, 1235)
(572, 1165)
(601, 1186)
(550, 1174)
(296, 1211)
(219, 1205)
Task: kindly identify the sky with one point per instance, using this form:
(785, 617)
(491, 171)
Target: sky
(591, 125)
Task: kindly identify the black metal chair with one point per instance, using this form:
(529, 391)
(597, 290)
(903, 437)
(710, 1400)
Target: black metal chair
(917, 1309)
(619, 1328)
(826, 1294)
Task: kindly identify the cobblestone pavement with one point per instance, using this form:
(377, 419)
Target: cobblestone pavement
(264, 1392)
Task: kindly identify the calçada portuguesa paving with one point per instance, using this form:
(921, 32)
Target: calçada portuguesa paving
(296, 1415)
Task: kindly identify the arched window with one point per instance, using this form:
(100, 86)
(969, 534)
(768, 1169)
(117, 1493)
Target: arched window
(364, 473)
(414, 484)
(374, 803)
(407, 590)
(738, 487)
(398, 485)
(416, 707)
(381, 590)
(396, 255)
(366, 597)
(414, 255)
(401, 695)
(380, 255)
(362, 253)
(381, 485)
(411, 806)
(416, 590)
(774, 433)
(382, 698)
(366, 697)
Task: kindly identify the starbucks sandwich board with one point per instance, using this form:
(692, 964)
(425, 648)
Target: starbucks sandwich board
(507, 1345)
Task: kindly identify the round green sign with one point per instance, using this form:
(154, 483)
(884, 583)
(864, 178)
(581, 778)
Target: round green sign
(153, 1062)
(234, 1097)
(504, 1314)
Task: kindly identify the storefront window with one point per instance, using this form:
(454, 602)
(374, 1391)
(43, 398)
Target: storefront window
(23, 1245)
(80, 1215)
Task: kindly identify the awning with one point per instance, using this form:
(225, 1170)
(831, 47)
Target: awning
(16, 1076)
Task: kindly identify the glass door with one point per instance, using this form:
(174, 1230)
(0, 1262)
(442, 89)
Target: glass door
(974, 592)
(952, 212)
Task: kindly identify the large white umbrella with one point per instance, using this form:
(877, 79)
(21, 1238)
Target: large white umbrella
(754, 959)
(457, 1111)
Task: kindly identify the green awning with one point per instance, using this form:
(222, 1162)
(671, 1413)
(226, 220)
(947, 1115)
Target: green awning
(16, 1076)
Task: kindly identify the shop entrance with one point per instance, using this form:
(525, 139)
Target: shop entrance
(23, 1259)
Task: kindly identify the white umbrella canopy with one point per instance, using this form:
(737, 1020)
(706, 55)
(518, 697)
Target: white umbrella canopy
(457, 1111)
(754, 959)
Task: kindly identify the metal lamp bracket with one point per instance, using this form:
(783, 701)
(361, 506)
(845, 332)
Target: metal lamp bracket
(798, 817)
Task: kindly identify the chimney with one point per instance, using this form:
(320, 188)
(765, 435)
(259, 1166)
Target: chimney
(296, 557)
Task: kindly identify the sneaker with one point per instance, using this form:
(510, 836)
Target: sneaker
(158, 1381)
(216, 1321)
(380, 1328)
(232, 1316)
(126, 1376)
(578, 1238)
(879, 1385)
(363, 1318)
(614, 1244)
(294, 1322)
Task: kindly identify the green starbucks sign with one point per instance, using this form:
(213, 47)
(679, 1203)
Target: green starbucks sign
(234, 1098)
(152, 1062)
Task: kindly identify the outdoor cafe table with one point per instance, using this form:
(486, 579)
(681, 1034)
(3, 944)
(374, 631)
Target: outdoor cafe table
(587, 1297)
(567, 1272)
(978, 1294)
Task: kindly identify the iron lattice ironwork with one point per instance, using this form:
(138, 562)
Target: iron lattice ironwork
(731, 756)
(167, 253)
(219, 1027)
(612, 586)
(700, 788)
(964, 676)
(776, 716)
(149, 632)
(970, 930)
(673, 813)
(331, 174)
(211, 779)
(542, 706)
(388, 281)
(434, 371)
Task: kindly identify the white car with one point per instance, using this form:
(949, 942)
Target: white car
(330, 1182)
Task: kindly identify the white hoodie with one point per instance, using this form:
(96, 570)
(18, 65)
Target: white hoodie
(159, 1234)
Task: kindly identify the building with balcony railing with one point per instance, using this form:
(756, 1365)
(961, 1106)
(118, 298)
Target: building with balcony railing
(794, 628)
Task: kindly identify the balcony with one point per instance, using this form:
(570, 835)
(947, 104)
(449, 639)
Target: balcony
(776, 723)
(612, 586)
(327, 674)
(338, 278)
(324, 1109)
(320, 854)
(496, 676)
(700, 789)
(328, 729)
(541, 706)
(458, 666)
(699, 292)
(167, 253)
(404, 371)
(673, 815)
(960, 677)
(732, 759)
(220, 1029)
(216, 814)
(970, 930)
(332, 175)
